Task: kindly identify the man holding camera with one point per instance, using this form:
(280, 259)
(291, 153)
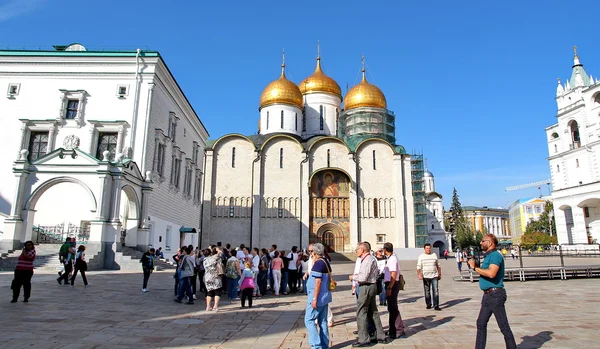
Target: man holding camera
(491, 282)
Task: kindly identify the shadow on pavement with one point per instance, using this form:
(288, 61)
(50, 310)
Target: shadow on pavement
(424, 323)
(535, 341)
(454, 302)
(410, 299)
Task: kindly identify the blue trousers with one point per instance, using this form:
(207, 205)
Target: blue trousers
(232, 288)
(431, 286)
(185, 286)
(318, 338)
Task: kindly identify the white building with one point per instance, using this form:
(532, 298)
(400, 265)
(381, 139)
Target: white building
(99, 145)
(574, 148)
(316, 171)
(438, 237)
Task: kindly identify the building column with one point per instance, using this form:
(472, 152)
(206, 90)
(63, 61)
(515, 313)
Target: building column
(579, 231)
(207, 192)
(305, 200)
(353, 201)
(256, 201)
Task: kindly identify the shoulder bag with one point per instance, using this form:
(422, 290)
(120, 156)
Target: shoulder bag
(332, 283)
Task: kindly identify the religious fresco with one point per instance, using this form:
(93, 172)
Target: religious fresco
(330, 184)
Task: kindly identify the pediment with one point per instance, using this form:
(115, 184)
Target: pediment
(70, 157)
(130, 167)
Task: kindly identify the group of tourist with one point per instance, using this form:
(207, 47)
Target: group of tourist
(375, 274)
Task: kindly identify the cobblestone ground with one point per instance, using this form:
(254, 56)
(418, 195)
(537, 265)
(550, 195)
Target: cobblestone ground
(114, 313)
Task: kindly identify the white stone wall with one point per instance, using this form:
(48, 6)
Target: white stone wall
(338, 155)
(331, 107)
(270, 119)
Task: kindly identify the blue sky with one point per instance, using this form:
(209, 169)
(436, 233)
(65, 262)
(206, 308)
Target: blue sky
(472, 83)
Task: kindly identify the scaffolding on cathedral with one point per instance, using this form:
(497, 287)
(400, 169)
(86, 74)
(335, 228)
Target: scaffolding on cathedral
(356, 125)
(418, 190)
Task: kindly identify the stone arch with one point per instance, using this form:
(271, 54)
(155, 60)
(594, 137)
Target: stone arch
(129, 212)
(132, 200)
(441, 246)
(332, 236)
(39, 191)
(375, 140)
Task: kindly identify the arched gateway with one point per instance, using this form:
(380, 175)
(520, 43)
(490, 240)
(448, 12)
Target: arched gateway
(330, 209)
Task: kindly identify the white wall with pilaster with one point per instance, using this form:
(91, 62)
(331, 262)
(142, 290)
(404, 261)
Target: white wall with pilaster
(271, 119)
(312, 108)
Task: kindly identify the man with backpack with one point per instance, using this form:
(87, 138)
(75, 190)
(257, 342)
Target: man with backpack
(66, 254)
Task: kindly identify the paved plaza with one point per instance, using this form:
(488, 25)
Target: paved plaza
(114, 313)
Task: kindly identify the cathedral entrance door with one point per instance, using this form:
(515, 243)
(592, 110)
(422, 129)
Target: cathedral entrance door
(329, 240)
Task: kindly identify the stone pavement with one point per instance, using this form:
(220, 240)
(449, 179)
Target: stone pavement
(114, 313)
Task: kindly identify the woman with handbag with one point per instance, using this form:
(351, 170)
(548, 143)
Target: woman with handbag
(23, 273)
(212, 279)
(80, 265)
(248, 285)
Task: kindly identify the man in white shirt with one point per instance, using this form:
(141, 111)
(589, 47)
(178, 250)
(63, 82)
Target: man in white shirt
(240, 254)
(430, 271)
(459, 260)
(392, 274)
(293, 270)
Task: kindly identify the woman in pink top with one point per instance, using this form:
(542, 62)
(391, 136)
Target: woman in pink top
(276, 265)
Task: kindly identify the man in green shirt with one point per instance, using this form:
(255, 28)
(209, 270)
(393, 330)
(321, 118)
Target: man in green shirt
(491, 282)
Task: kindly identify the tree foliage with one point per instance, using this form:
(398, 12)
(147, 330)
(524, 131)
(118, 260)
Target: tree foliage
(528, 240)
(542, 231)
(545, 224)
(465, 235)
(456, 215)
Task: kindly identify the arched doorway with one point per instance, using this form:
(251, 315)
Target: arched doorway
(129, 217)
(331, 236)
(330, 209)
(441, 246)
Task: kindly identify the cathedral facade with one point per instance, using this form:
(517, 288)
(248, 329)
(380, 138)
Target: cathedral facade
(322, 168)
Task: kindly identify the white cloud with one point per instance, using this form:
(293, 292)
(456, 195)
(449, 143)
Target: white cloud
(14, 8)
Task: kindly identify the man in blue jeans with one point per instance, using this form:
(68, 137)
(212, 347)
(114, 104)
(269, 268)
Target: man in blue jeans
(430, 271)
(318, 300)
(491, 282)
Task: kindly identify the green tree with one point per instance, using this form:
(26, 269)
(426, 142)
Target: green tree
(529, 240)
(465, 235)
(545, 224)
(456, 215)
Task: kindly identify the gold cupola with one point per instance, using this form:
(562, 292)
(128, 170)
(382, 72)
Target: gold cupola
(318, 82)
(281, 91)
(364, 95)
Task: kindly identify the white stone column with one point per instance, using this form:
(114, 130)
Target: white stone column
(256, 202)
(81, 100)
(143, 219)
(92, 142)
(305, 199)
(17, 207)
(120, 139)
(579, 231)
(23, 144)
(409, 214)
(116, 199)
(51, 138)
(207, 193)
(354, 202)
(400, 222)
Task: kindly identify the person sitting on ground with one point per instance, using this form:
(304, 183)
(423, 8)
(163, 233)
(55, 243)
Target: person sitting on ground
(159, 253)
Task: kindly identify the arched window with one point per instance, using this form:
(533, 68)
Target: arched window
(303, 121)
(267, 119)
(432, 226)
(337, 119)
(556, 148)
(296, 122)
(374, 161)
(557, 168)
(321, 118)
(376, 208)
(281, 119)
(233, 157)
(231, 206)
(576, 162)
(280, 208)
(280, 157)
(574, 128)
(328, 158)
(554, 135)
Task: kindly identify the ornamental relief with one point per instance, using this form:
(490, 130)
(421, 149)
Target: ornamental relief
(71, 142)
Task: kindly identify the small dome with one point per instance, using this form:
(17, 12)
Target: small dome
(281, 91)
(427, 174)
(319, 82)
(364, 95)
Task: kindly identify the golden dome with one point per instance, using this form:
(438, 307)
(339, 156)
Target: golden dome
(364, 95)
(281, 91)
(319, 82)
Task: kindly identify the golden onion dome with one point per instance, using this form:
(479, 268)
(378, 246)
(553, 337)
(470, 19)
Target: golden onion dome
(281, 91)
(364, 95)
(319, 82)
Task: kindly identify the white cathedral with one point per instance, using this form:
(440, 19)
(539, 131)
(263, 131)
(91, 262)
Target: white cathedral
(105, 147)
(574, 158)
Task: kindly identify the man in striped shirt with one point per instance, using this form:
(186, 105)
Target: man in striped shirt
(430, 271)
